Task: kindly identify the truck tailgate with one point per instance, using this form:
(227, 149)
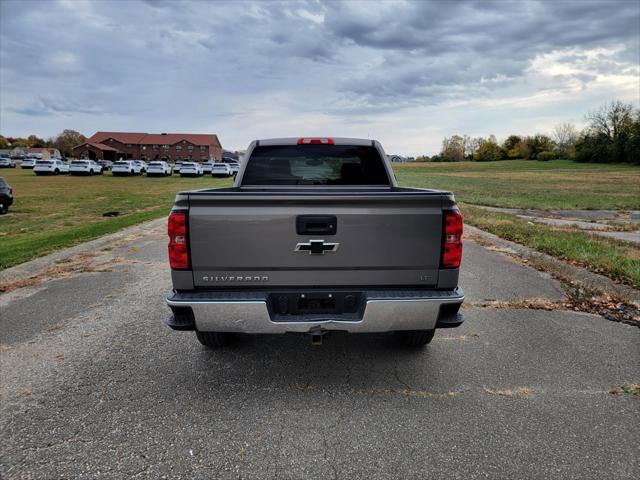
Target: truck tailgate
(251, 239)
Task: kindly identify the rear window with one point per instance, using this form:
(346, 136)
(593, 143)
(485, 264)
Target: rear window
(121, 163)
(43, 162)
(79, 162)
(155, 164)
(315, 165)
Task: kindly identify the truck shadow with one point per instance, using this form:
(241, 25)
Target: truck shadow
(371, 364)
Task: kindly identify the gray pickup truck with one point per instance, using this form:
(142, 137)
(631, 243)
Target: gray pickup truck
(315, 235)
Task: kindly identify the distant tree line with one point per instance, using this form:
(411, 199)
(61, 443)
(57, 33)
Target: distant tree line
(612, 136)
(64, 142)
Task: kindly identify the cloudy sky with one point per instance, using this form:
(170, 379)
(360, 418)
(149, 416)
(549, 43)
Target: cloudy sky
(406, 73)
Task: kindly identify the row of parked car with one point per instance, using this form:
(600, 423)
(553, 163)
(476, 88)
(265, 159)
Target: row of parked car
(56, 166)
(161, 168)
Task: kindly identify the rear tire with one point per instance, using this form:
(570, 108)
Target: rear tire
(56, 171)
(214, 339)
(417, 338)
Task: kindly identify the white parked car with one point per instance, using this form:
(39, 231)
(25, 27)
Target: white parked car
(176, 167)
(126, 167)
(207, 167)
(29, 162)
(85, 167)
(6, 161)
(142, 164)
(221, 170)
(235, 167)
(158, 169)
(190, 169)
(50, 167)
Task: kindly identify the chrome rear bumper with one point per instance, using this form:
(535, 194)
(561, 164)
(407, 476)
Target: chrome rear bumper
(247, 312)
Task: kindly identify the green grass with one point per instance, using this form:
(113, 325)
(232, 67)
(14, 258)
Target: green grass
(620, 261)
(559, 184)
(50, 213)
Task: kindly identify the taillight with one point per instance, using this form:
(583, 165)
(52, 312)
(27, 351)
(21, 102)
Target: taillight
(452, 240)
(178, 251)
(315, 141)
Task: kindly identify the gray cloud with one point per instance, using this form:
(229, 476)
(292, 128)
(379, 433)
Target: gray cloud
(161, 65)
(456, 43)
(44, 106)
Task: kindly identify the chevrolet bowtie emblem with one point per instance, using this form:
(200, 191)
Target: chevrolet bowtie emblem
(316, 247)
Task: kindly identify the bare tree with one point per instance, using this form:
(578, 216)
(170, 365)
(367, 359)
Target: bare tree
(565, 136)
(611, 121)
(471, 145)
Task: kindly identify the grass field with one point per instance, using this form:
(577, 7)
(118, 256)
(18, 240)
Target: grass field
(55, 212)
(530, 184)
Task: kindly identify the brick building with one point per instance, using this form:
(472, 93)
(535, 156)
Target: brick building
(172, 147)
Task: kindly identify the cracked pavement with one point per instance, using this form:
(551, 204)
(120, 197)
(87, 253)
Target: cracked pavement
(94, 385)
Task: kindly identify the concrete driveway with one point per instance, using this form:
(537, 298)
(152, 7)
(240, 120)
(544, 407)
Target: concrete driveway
(95, 386)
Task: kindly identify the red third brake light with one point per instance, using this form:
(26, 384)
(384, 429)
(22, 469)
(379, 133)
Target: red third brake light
(452, 239)
(315, 141)
(178, 252)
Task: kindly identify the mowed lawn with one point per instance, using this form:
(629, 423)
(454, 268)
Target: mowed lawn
(559, 184)
(52, 212)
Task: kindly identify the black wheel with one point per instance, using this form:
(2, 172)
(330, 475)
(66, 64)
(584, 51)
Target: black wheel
(90, 173)
(56, 171)
(417, 338)
(3, 208)
(214, 339)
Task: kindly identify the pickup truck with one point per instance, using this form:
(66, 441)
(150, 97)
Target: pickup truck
(314, 236)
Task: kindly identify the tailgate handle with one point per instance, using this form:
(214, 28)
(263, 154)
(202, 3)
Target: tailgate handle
(316, 224)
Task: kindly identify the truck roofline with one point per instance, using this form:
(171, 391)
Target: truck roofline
(336, 141)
